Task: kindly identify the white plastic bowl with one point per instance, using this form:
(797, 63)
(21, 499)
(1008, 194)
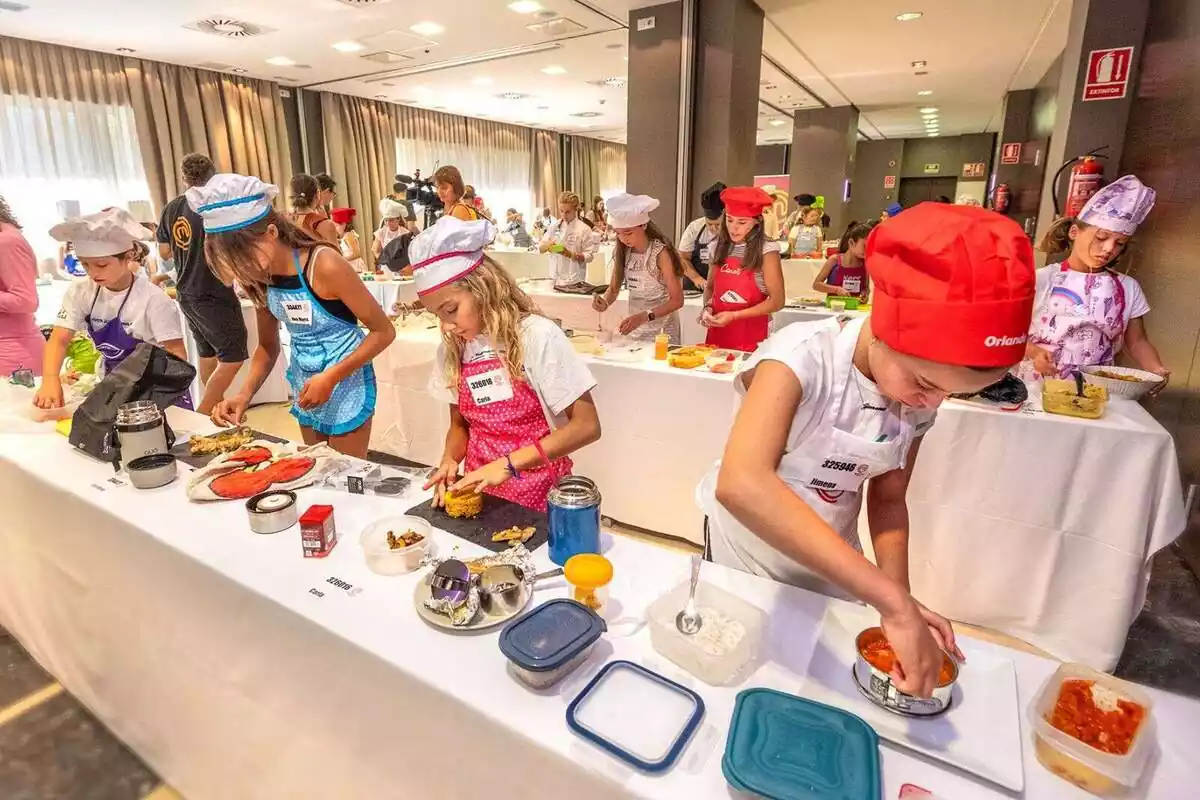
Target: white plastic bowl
(383, 560)
(1128, 390)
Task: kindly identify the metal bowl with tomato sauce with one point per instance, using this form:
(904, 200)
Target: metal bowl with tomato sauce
(872, 673)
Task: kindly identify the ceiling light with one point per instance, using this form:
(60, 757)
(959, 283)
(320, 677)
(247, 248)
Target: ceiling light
(281, 61)
(925, 92)
(238, 70)
(513, 96)
(229, 28)
(919, 65)
(616, 82)
(934, 133)
(483, 80)
(525, 6)
(126, 50)
(909, 16)
(349, 47)
(426, 28)
(778, 122)
(554, 69)
(380, 96)
(929, 110)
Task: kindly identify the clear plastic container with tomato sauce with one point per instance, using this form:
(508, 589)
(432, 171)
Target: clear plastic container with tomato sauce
(1091, 769)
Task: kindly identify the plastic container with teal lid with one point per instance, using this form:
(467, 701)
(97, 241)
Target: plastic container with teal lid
(782, 747)
(1093, 770)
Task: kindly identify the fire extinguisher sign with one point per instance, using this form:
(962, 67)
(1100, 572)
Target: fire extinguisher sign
(1108, 73)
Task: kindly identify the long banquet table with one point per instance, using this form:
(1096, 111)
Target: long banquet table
(1037, 525)
(235, 668)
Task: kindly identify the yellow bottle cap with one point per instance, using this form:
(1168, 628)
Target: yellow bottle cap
(588, 571)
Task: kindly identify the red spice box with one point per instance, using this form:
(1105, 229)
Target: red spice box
(318, 534)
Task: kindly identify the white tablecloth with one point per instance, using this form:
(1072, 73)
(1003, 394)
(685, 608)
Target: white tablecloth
(274, 390)
(388, 292)
(526, 264)
(1036, 525)
(235, 669)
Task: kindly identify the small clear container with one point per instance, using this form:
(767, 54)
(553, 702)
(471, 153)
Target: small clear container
(837, 304)
(550, 642)
(729, 636)
(1102, 774)
(381, 558)
(589, 575)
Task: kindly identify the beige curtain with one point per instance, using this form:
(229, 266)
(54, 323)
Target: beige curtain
(596, 168)
(547, 169)
(238, 122)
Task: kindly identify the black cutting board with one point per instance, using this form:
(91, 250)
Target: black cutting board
(183, 452)
(497, 515)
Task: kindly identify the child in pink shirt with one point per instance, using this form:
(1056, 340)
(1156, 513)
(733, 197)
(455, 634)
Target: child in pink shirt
(21, 343)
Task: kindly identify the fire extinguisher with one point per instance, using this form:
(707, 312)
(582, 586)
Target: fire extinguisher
(1087, 174)
(1001, 197)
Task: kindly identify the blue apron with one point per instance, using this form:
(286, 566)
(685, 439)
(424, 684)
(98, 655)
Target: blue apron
(320, 340)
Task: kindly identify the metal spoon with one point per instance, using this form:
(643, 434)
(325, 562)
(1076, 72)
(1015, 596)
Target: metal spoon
(688, 621)
(1078, 384)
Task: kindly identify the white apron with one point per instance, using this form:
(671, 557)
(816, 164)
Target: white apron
(828, 469)
(647, 291)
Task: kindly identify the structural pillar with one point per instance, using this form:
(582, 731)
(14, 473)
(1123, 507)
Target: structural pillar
(1090, 113)
(822, 158)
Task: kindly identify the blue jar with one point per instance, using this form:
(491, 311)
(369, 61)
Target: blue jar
(574, 510)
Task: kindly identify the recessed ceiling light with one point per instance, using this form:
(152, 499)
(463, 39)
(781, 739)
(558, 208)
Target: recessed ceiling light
(919, 65)
(426, 28)
(616, 82)
(483, 80)
(929, 110)
(935, 133)
(554, 69)
(349, 46)
(281, 61)
(525, 6)
(238, 70)
(909, 16)
(229, 28)
(380, 96)
(925, 92)
(126, 50)
(778, 122)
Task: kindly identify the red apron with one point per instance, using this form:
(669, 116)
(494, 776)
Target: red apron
(504, 416)
(734, 289)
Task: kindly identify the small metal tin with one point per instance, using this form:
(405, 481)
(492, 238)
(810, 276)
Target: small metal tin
(150, 472)
(503, 590)
(272, 512)
(451, 581)
(877, 686)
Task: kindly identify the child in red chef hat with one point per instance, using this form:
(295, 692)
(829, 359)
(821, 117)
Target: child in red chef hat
(833, 411)
(348, 241)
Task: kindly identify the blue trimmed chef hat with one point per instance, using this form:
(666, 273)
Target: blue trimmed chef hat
(1119, 207)
(230, 202)
(447, 251)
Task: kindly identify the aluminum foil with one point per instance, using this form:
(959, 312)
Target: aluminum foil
(461, 616)
(518, 556)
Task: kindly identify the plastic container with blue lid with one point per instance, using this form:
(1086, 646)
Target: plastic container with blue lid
(550, 642)
(637, 715)
(782, 747)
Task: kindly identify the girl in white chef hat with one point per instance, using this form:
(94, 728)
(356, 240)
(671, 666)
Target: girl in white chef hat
(520, 397)
(649, 266)
(117, 308)
(307, 285)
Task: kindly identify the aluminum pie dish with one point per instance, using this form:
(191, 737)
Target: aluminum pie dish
(152, 471)
(877, 685)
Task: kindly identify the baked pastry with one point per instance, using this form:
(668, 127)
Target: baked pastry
(463, 505)
(226, 441)
(686, 361)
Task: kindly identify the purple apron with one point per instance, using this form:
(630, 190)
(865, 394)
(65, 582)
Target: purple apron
(115, 344)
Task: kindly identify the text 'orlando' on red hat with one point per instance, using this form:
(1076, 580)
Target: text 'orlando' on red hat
(953, 284)
(745, 201)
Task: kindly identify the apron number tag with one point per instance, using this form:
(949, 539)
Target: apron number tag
(853, 285)
(836, 474)
(299, 312)
(490, 387)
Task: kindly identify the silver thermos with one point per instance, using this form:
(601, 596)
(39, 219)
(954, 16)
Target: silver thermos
(141, 430)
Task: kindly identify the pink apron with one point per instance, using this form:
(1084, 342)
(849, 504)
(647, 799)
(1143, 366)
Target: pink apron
(1080, 329)
(506, 415)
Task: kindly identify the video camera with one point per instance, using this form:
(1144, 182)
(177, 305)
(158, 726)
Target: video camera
(419, 191)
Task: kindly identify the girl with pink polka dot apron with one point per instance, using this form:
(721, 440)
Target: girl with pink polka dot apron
(506, 415)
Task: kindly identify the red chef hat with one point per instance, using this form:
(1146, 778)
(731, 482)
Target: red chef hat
(953, 284)
(745, 201)
(342, 216)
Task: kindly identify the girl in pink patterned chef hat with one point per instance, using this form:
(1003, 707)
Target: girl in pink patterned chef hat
(1086, 312)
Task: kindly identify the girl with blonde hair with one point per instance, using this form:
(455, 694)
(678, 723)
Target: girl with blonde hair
(520, 397)
(570, 243)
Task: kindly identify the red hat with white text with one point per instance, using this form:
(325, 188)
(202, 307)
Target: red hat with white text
(953, 284)
(745, 201)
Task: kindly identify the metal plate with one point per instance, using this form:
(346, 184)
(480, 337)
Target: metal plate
(482, 621)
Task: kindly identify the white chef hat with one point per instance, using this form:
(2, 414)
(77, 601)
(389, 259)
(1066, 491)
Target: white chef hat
(230, 202)
(1119, 207)
(447, 251)
(390, 209)
(629, 210)
(107, 233)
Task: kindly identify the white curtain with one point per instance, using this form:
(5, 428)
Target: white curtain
(53, 150)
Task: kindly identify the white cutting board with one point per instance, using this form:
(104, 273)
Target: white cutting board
(981, 733)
